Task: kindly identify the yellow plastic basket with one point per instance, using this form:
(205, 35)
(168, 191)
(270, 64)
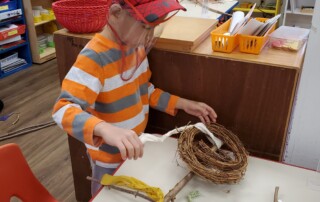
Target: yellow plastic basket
(221, 42)
(254, 44)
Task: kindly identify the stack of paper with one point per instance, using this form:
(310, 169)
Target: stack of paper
(241, 24)
(239, 20)
(11, 61)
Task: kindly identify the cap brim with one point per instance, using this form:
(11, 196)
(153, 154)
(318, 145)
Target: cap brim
(155, 10)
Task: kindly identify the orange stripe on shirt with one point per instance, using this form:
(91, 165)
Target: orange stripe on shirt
(119, 116)
(91, 67)
(80, 91)
(105, 157)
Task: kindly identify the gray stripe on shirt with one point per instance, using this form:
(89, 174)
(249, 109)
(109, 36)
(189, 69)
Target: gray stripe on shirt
(123, 103)
(112, 55)
(163, 101)
(67, 96)
(109, 149)
(117, 105)
(78, 125)
(91, 54)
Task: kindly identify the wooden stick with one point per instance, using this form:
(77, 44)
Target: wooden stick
(135, 193)
(26, 130)
(211, 9)
(276, 191)
(171, 195)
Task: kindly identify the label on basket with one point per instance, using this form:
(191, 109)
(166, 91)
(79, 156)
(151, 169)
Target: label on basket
(3, 8)
(13, 32)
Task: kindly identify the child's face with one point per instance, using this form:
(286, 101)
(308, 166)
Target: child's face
(132, 32)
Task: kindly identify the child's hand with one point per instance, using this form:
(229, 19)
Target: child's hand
(127, 141)
(199, 109)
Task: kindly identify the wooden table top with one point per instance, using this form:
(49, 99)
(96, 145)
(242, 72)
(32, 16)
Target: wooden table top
(268, 56)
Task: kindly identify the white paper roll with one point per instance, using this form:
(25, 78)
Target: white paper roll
(236, 18)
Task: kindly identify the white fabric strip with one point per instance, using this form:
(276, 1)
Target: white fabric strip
(146, 137)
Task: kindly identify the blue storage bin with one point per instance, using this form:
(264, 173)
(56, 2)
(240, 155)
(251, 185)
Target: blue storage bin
(8, 6)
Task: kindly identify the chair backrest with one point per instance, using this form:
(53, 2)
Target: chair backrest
(17, 179)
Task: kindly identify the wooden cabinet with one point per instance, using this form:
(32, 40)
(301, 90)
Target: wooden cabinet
(252, 94)
(39, 55)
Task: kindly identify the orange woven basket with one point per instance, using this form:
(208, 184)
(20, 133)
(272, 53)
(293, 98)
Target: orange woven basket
(82, 16)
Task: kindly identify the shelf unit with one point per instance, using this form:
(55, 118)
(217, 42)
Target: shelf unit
(21, 47)
(37, 28)
(261, 9)
(292, 15)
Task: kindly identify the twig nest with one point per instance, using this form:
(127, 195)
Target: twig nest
(221, 166)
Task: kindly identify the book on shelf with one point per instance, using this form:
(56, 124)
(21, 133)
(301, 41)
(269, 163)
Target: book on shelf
(8, 58)
(10, 40)
(18, 63)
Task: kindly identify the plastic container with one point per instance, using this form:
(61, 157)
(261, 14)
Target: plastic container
(254, 44)
(45, 15)
(12, 32)
(8, 6)
(288, 38)
(37, 19)
(221, 42)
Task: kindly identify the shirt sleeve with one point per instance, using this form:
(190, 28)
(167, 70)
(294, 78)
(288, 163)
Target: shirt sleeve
(79, 90)
(162, 101)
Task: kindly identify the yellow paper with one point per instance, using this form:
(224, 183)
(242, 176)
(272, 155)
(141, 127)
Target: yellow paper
(13, 32)
(3, 8)
(154, 193)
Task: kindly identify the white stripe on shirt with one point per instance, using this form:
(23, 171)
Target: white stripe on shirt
(116, 82)
(58, 116)
(134, 121)
(79, 76)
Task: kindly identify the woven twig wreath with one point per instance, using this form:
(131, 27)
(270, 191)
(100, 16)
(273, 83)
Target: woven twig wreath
(220, 166)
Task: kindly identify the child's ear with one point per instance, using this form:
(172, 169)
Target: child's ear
(115, 10)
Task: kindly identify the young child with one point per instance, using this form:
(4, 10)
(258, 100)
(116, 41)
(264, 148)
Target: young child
(106, 95)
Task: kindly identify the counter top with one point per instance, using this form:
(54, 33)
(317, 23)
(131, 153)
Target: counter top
(269, 56)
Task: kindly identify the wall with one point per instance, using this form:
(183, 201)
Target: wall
(303, 144)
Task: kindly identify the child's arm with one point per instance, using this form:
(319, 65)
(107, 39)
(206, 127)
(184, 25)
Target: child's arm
(127, 141)
(170, 104)
(79, 91)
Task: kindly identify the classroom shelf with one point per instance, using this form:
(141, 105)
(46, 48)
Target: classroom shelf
(14, 71)
(292, 15)
(48, 53)
(43, 22)
(21, 47)
(260, 7)
(5, 50)
(256, 10)
(13, 20)
(36, 29)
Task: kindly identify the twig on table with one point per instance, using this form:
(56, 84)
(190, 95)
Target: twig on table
(134, 193)
(276, 191)
(211, 9)
(171, 195)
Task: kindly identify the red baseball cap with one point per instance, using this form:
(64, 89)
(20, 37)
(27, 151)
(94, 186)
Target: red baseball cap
(150, 11)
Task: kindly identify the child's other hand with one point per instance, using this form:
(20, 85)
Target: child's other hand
(199, 109)
(127, 141)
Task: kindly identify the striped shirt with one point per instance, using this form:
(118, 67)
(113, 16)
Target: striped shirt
(93, 91)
